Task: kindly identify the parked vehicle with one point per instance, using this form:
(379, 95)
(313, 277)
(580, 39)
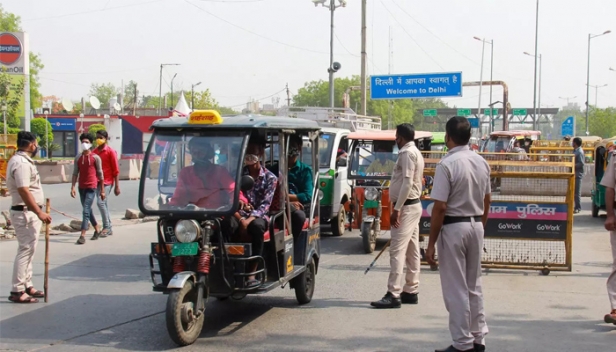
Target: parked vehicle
(503, 141)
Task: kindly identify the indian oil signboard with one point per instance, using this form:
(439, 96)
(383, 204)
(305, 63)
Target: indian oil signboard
(14, 53)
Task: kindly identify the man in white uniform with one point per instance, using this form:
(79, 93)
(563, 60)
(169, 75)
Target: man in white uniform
(609, 181)
(461, 194)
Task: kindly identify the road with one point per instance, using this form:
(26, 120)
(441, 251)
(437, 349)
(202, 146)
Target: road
(101, 300)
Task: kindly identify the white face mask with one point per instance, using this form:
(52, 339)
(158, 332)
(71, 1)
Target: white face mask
(86, 146)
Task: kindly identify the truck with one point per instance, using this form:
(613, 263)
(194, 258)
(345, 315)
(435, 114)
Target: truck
(334, 186)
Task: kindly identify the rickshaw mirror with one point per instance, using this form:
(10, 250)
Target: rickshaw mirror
(342, 162)
(247, 183)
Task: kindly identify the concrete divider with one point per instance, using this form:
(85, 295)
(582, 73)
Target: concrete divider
(130, 169)
(55, 171)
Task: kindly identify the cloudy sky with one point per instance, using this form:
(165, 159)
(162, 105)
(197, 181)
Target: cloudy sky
(249, 49)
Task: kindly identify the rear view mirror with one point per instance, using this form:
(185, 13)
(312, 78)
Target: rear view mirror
(342, 162)
(247, 183)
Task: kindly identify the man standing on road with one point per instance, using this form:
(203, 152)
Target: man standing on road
(405, 190)
(609, 181)
(461, 195)
(111, 173)
(579, 172)
(27, 216)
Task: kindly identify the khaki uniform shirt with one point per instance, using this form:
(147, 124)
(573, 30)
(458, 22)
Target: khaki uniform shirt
(609, 177)
(462, 180)
(409, 168)
(21, 172)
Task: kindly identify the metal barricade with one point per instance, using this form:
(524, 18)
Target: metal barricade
(531, 215)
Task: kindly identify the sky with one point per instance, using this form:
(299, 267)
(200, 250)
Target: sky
(250, 49)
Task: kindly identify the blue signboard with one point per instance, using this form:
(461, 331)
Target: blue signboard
(474, 122)
(422, 85)
(568, 127)
(61, 124)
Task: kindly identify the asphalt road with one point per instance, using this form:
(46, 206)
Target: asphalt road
(101, 300)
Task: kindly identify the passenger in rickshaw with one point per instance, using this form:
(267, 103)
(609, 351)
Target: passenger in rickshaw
(382, 164)
(519, 150)
(203, 184)
(252, 219)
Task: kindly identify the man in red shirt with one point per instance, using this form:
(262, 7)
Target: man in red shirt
(111, 172)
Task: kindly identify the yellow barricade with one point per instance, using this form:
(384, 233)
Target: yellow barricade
(531, 215)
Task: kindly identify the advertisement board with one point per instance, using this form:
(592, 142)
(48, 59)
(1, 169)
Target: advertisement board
(516, 220)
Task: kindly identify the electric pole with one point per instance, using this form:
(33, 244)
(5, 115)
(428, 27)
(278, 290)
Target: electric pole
(288, 96)
(363, 57)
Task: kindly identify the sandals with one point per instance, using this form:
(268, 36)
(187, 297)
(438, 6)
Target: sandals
(32, 292)
(15, 297)
(252, 283)
(105, 233)
(81, 240)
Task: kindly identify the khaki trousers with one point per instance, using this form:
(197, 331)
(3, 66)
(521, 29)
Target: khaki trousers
(404, 249)
(459, 249)
(27, 229)
(611, 280)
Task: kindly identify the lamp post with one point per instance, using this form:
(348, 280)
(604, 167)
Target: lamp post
(160, 86)
(192, 95)
(332, 68)
(491, 42)
(567, 99)
(538, 107)
(535, 75)
(597, 92)
(172, 89)
(590, 36)
(491, 105)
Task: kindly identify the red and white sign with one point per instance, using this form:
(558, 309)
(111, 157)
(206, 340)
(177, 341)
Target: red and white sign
(14, 52)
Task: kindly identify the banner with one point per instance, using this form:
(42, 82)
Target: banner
(516, 220)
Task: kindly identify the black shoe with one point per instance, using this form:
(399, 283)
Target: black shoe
(95, 236)
(388, 301)
(453, 349)
(479, 347)
(576, 211)
(409, 298)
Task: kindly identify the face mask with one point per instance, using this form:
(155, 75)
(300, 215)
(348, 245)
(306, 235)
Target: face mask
(101, 141)
(86, 146)
(35, 151)
(251, 159)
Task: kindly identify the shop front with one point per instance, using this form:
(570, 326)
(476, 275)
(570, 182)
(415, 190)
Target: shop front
(65, 136)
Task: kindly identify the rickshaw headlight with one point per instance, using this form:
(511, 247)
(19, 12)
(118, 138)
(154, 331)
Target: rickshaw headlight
(321, 195)
(187, 231)
(371, 193)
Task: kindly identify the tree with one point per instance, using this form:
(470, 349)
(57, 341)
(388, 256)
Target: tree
(37, 126)
(104, 92)
(12, 23)
(131, 94)
(602, 122)
(11, 97)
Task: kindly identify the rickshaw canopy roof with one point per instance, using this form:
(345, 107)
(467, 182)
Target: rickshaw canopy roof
(387, 135)
(236, 122)
(606, 143)
(515, 133)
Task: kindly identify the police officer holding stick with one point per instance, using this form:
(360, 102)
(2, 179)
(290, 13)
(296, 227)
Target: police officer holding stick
(461, 195)
(27, 215)
(609, 182)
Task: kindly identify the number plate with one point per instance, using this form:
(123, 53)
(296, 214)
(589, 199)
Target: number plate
(184, 249)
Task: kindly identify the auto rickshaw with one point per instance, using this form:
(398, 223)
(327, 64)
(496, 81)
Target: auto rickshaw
(603, 153)
(438, 142)
(372, 161)
(503, 141)
(195, 257)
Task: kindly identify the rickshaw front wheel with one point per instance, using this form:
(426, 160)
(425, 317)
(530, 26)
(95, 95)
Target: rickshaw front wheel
(183, 324)
(304, 283)
(368, 237)
(338, 222)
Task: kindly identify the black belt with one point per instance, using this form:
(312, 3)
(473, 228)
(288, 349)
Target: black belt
(22, 207)
(411, 201)
(456, 219)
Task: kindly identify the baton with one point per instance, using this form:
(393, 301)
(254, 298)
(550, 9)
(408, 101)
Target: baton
(377, 257)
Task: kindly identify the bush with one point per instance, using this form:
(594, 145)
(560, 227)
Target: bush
(37, 126)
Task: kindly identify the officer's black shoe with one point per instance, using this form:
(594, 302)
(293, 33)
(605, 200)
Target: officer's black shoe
(409, 298)
(453, 349)
(479, 347)
(388, 301)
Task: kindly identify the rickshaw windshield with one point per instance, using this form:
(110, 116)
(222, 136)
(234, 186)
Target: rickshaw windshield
(326, 146)
(372, 159)
(192, 171)
(497, 144)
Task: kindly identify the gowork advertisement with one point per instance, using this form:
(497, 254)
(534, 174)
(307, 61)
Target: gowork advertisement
(542, 221)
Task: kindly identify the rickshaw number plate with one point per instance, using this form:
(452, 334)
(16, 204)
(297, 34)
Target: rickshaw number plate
(184, 249)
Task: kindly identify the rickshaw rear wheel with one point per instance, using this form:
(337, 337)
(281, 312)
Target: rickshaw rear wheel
(183, 326)
(595, 210)
(304, 283)
(368, 237)
(338, 222)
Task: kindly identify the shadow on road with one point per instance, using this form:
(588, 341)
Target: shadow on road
(104, 267)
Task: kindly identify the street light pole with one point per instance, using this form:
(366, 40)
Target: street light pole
(483, 48)
(535, 79)
(491, 42)
(160, 86)
(590, 36)
(172, 89)
(597, 93)
(363, 58)
(538, 108)
(192, 95)
(567, 99)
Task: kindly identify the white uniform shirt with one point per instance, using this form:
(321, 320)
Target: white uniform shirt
(609, 177)
(21, 172)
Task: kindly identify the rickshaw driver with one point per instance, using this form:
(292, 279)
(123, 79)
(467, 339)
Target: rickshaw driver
(300, 185)
(382, 164)
(195, 186)
(254, 222)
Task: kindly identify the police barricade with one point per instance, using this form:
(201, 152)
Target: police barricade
(555, 153)
(531, 215)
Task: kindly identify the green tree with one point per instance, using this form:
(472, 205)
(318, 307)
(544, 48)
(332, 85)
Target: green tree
(11, 23)
(37, 126)
(10, 96)
(104, 92)
(602, 122)
(131, 94)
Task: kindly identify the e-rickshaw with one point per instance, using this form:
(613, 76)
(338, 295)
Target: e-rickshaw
(438, 142)
(604, 150)
(503, 141)
(194, 257)
(373, 158)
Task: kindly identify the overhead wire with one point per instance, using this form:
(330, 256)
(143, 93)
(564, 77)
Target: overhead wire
(269, 96)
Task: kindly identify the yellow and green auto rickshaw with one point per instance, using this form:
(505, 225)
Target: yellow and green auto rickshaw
(438, 142)
(603, 152)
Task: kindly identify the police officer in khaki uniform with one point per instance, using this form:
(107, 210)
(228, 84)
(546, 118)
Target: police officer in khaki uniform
(609, 181)
(461, 195)
(27, 215)
(404, 192)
